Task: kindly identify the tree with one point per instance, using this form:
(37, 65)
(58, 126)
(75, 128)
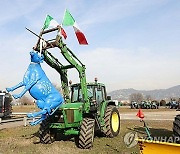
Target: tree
(137, 97)
(26, 101)
(162, 103)
(148, 97)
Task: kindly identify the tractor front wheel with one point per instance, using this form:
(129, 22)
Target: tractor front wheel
(112, 121)
(86, 136)
(45, 136)
(176, 128)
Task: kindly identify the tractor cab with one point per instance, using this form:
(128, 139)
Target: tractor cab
(96, 94)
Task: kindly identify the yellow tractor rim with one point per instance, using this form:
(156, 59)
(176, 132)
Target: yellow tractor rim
(115, 122)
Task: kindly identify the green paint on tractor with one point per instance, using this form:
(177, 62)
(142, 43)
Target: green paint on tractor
(87, 108)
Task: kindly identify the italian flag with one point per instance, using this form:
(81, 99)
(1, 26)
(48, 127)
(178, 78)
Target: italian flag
(68, 20)
(51, 23)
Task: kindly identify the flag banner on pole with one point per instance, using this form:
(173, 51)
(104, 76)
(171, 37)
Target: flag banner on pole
(68, 20)
(63, 33)
(80, 36)
(50, 22)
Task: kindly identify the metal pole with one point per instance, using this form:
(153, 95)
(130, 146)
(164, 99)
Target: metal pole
(25, 121)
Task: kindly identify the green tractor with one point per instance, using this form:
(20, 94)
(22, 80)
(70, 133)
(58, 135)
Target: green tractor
(86, 110)
(145, 105)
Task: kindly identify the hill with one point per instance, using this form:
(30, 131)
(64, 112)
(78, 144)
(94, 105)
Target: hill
(158, 94)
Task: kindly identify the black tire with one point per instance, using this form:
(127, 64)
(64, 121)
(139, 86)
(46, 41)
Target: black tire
(132, 107)
(176, 128)
(137, 107)
(153, 107)
(109, 130)
(45, 135)
(148, 107)
(86, 136)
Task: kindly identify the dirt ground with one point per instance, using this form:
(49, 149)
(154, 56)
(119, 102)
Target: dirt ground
(24, 140)
(24, 108)
(32, 108)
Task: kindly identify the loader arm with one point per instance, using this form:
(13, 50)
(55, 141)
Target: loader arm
(73, 61)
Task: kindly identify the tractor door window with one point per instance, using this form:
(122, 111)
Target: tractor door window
(99, 97)
(1, 101)
(90, 92)
(104, 93)
(6, 102)
(80, 96)
(75, 94)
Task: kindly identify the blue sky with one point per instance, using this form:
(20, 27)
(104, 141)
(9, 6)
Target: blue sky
(132, 43)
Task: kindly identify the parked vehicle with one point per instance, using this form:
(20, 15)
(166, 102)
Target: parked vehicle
(154, 104)
(173, 104)
(134, 105)
(5, 105)
(145, 105)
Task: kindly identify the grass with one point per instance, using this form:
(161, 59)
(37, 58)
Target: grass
(32, 108)
(24, 140)
(128, 109)
(24, 108)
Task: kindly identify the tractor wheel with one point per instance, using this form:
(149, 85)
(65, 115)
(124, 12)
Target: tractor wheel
(86, 136)
(153, 107)
(137, 107)
(45, 136)
(112, 121)
(176, 128)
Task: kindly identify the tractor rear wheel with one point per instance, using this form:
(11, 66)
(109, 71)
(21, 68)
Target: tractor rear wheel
(86, 136)
(112, 121)
(176, 128)
(45, 135)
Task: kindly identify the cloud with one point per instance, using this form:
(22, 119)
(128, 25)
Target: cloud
(142, 54)
(124, 68)
(118, 9)
(17, 8)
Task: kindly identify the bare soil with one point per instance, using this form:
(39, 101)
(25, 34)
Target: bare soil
(24, 140)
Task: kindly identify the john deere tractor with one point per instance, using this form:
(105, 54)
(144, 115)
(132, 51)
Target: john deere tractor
(86, 109)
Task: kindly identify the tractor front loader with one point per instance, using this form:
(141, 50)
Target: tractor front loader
(86, 109)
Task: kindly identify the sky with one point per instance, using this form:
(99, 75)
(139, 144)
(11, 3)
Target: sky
(132, 43)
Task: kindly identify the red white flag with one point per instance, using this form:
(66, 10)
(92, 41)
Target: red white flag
(80, 36)
(63, 33)
(68, 20)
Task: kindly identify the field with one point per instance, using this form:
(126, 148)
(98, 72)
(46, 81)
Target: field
(24, 108)
(32, 108)
(25, 140)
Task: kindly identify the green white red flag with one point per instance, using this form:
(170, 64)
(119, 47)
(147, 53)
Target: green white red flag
(51, 23)
(68, 20)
